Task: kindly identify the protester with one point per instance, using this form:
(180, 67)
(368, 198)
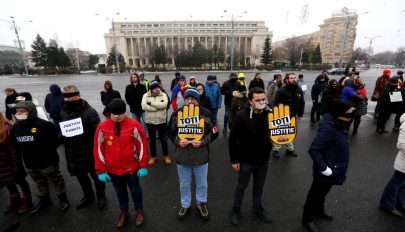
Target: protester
(175, 80)
(37, 141)
(273, 87)
(107, 95)
(256, 82)
(79, 148)
(121, 155)
(204, 100)
(178, 93)
(329, 94)
(192, 158)
(301, 83)
(380, 84)
(241, 79)
(324, 75)
(316, 92)
(193, 82)
(12, 172)
(239, 102)
(329, 151)
(133, 96)
(361, 105)
(387, 107)
(26, 96)
(227, 89)
(213, 92)
(154, 103)
(11, 96)
(143, 81)
(249, 148)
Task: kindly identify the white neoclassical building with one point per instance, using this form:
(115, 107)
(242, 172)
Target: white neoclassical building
(135, 40)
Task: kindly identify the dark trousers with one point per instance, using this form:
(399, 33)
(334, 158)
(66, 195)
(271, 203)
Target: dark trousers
(85, 183)
(356, 121)
(161, 129)
(394, 192)
(316, 108)
(315, 200)
(384, 116)
(25, 188)
(120, 185)
(259, 176)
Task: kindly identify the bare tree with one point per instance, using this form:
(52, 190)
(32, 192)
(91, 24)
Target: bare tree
(293, 46)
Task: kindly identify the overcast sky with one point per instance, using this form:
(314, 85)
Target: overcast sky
(74, 24)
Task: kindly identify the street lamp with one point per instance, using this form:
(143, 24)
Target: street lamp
(12, 23)
(345, 36)
(115, 42)
(233, 18)
(371, 42)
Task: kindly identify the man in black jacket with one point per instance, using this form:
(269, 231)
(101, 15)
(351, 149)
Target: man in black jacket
(175, 80)
(79, 148)
(292, 96)
(37, 141)
(227, 89)
(249, 148)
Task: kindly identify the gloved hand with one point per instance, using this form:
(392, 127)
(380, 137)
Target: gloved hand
(327, 171)
(104, 177)
(142, 172)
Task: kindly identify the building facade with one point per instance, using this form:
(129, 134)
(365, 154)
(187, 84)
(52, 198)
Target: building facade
(136, 40)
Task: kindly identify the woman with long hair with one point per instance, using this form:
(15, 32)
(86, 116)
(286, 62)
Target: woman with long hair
(12, 172)
(107, 95)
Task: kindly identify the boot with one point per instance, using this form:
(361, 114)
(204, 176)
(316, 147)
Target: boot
(86, 200)
(44, 202)
(63, 201)
(167, 160)
(122, 219)
(26, 204)
(152, 160)
(15, 201)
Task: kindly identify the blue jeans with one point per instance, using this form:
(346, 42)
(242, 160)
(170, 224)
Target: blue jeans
(394, 192)
(227, 109)
(200, 176)
(120, 185)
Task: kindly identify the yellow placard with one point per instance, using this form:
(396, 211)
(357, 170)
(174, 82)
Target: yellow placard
(282, 127)
(190, 126)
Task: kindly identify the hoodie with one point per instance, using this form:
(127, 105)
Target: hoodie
(54, 102)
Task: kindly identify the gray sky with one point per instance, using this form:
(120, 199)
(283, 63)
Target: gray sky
(74, 24)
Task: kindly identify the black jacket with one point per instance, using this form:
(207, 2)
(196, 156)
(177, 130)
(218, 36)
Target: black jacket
(227, 89)
(133, 97)
(54, 102)
(36, 140)
(205, 102)
(10, 101)
(291, 95)
(249, 140)
(254, 83)
(79, 149)
(108, 96)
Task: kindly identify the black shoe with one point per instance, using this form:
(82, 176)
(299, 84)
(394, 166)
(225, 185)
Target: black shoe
(182, 213)
(44, 202)
(292, 153)
(325, 216)
(234, 217)
(311, 226)
(63, 201)
(101, 202)
(85, 201)
(262, 214)
(354, 133)
(276, 154)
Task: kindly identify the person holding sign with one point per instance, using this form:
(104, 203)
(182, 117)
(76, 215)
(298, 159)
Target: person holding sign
(37, 141)
(249, 149)
(390, 102)
(329, 151)
(190, 130)
(292, 96)
(121, 155)
(78, 125)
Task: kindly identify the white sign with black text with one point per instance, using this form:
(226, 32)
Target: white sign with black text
(72, 127)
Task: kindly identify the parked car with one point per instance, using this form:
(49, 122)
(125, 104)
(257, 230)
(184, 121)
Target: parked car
(336, 71)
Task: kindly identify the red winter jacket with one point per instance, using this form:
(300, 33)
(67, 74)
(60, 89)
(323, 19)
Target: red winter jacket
(123, 154)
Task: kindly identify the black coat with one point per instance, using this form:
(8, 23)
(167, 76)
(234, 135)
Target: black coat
(54, 103)
(133, 97)
(37, 141)
(108, 96)
(227, 89)
(205, 102)
(249, 140)
(10, 101)
(79, 149)
(255, 83)
(291, 95)
(330, 148)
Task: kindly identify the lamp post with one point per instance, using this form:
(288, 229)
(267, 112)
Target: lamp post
(233, 18)
(344, 11)
(13, 24)
(115, 42)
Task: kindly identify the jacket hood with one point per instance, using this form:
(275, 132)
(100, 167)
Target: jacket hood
(29, 106)
(55, 89)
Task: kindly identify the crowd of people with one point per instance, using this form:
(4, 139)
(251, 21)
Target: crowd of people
(120, 149)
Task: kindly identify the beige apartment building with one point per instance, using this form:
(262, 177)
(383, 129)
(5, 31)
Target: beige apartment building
(136, 40)
(336, 37)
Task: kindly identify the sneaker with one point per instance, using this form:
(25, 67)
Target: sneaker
(202, 209)
(167, 160)
(234, 217)
(152, 161)
(292, 153)
(276, 154)
(262, 214)
(182, 213)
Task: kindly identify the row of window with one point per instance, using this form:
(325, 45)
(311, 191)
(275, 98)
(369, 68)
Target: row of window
(156, 25)
(178, 31)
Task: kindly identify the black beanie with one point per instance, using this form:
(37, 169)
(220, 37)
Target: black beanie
(339, 108)
(117, 106)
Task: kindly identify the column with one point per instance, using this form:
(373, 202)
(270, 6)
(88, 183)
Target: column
(206, 42)
(132, 48)
(239, 44)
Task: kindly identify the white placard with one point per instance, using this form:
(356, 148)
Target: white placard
(304, 87)
(396, 97)
(72, 127)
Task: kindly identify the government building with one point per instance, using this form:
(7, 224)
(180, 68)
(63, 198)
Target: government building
(136, 40)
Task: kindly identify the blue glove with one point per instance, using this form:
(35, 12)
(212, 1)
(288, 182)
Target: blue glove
(142, 172)
(104, 177)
